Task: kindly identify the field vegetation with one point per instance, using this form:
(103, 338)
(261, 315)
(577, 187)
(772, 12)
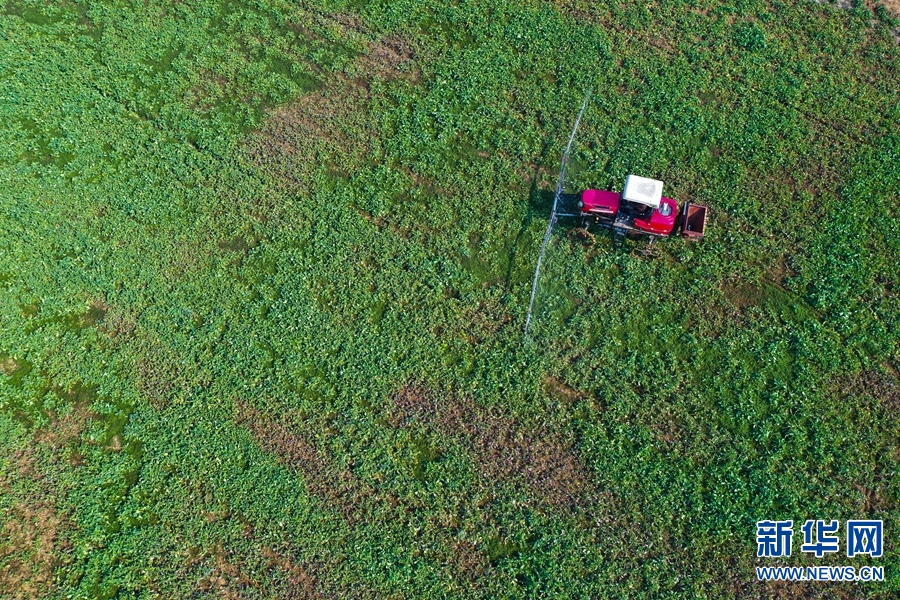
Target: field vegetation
(265, 266)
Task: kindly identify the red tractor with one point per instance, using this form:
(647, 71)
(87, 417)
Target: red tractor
(640, 209)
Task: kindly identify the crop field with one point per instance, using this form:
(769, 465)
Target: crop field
(265, 266)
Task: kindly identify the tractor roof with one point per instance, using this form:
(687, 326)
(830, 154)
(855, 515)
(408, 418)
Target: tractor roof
(643, 190)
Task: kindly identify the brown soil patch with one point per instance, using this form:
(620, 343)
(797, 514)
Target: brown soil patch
(389, 58)
(94, 314)
(881, 384)
(226, 577)
(157, 373)
(27, 551)
(10, 366)
(66, 429)
(743, 294)
(467, 561)
(268, 572)
(232, 580)
(30, 536)
(535, 460)
(339, 488)
(780, 272)
(668, 428)
(300, 583)
(355, 500)
(330, 127)
(482, 321)
(115, 444)
(117, 325)
(892, 6)
(322, 128)
(582, 12)
(163, 372)
(560, 391)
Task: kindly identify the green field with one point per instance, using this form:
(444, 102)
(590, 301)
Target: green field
(264, 269)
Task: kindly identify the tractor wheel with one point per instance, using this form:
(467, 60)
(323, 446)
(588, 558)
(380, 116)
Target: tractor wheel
(648, 251)
(581, 234)
(619, 236)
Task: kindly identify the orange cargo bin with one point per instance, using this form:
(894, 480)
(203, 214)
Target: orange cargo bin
(693, 225)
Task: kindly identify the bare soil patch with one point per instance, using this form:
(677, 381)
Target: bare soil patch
(356, 501)
(561, 391)
(881, 384)
(27, 552)
(10, 366)
(94, 314)
(159, 374)
(301, 585)
(263, 571)
(31, 539)
(532, 459)
(339, 488)
(320, 129)
(744, 294)
(117, 325)
(330, 127)
(467, 561)
(65, 430)
(226, 577)
(892, 6)
(389, 58)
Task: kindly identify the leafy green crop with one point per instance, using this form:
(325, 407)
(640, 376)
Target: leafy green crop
(265, 268)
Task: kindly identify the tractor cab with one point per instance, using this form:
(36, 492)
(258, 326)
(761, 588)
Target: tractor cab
(648, 210)
(641, 196)
(640, 208)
